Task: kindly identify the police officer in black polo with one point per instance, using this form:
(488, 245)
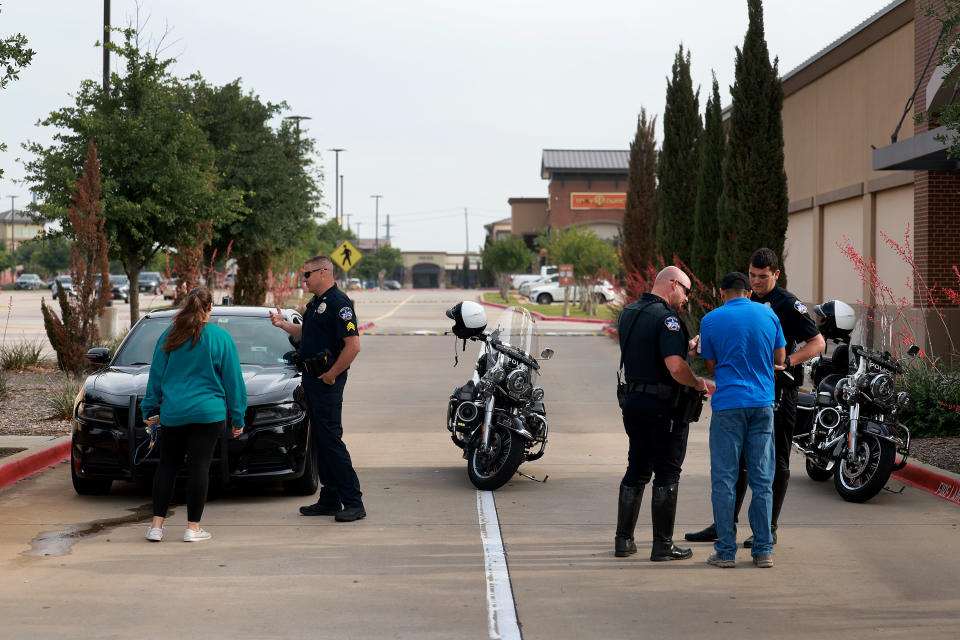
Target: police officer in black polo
(329, 342)
(797, 327)
(654, 348)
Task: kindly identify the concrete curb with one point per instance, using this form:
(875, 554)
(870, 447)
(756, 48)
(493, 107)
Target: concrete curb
(930, 479)
(33, 461)
(540, 316)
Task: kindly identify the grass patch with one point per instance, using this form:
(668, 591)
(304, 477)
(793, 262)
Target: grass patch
(4, 388)
(604, 312)
(22, 355)
(61, 397)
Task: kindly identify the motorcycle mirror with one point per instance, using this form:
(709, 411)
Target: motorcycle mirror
(546, 354)
(913, 350)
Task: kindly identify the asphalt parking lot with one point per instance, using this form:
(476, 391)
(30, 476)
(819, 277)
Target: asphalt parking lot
(419, 566)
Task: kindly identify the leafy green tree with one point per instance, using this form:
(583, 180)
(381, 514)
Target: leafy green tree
(640, 219)
(703, 259)
(271, 167)
(590, 256)
(157, 168)
(46, 254)
(753, 209)
(677, 167)
(387, 259)
(14, 56)
(503, 257)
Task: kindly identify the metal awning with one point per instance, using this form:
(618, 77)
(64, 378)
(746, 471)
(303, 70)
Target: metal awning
(922, 152)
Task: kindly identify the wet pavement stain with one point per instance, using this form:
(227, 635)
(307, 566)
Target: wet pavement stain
(59, 543)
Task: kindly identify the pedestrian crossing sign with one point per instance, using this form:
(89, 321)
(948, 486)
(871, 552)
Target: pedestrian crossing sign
(346, 255)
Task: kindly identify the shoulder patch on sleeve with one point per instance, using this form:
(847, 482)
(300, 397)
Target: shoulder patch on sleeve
(672, 323)
(799, 306)
(346, 313)
(351, 326)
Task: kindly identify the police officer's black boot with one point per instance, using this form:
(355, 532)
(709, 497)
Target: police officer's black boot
(781, 478)
(663, 511)
(628, 508)
(709, 534)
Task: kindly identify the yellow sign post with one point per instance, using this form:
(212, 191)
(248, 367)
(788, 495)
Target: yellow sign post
(346, 256)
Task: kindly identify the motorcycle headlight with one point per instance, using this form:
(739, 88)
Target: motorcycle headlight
(903, 399)
(274, 413)
(881, 387)
(518, 382)
(95, 412)
(537, 394)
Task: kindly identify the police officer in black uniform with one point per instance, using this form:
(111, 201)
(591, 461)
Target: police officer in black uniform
(329, 342)
(654, 347)
(797, 327)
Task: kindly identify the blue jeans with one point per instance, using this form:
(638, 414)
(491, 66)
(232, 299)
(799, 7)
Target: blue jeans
(750, 431)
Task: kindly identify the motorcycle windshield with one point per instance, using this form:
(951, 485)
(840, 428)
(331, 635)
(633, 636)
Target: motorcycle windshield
(517, 328)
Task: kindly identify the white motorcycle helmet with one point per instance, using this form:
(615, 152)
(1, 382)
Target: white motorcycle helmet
(837, 319)
(469, 319)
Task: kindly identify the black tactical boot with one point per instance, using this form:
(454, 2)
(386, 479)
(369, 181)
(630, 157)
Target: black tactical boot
(709, 534)
(663, 511)
(628, 508)
(781, 478)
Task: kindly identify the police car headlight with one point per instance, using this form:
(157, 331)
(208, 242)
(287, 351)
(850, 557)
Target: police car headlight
(95, 412)
(518, 382)
(274, 413)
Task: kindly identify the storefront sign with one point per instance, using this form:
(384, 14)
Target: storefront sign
(598, 201)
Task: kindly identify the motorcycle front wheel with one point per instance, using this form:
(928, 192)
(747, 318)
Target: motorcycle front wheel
(491, 470)
(861, 480)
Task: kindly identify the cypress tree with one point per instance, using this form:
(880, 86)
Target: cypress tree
(679, 157)
(640, 218)
(703, 262)
(753, 211)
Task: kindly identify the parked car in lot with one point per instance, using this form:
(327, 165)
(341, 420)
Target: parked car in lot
(62, 283)
(120, 287)
(525, 287)
(150, 282)
(29, 281)
(553, 292)
(109, 437)
(518, 279)
(392, 284)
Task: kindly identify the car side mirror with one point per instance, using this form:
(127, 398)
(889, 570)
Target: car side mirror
(99, 355)
(546, 354)
(290, 357)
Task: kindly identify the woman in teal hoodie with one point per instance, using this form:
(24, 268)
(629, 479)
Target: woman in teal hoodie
(195, 379)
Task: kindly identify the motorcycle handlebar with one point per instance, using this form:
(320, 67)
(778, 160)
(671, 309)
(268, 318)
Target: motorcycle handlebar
(886, 361)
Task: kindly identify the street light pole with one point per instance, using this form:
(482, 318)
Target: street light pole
(297, 120)
(336, 181)
(376, 225)
(106, 41)
(12, 199)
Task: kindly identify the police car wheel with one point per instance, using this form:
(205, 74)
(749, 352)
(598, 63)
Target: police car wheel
(544, 298)
(306, 485)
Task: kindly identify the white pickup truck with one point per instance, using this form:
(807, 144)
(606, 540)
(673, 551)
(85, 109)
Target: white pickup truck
(519, 278)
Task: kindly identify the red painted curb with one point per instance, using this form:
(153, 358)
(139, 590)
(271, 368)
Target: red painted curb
(31, 464)
(366, 326)
(939, 485)
(540, 316)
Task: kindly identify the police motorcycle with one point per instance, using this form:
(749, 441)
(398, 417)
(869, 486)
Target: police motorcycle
(497, 417)
(848, 427)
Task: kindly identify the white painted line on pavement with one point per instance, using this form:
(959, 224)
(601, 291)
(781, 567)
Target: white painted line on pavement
(395, 309)
(501, 609)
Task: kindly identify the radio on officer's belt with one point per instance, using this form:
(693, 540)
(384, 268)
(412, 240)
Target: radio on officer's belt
(317, 365)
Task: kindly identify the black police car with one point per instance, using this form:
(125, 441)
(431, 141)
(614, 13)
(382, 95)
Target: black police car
(110, 441)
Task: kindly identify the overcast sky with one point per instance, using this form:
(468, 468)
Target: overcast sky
(441, 105)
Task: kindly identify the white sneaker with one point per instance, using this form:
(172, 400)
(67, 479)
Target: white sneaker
(196, 536)
(154, 534)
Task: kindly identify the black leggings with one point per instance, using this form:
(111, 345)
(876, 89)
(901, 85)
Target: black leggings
(196, 442)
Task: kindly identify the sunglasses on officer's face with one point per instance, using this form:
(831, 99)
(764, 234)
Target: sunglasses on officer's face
(686, 289)
(306, 274)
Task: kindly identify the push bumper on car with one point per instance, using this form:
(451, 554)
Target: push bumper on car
(275, 451)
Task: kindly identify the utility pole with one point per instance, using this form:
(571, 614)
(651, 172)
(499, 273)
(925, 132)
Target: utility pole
(341, 202)
(347, 217)
(388, 228)
(106, 41)
(12, 199)
(376, 225)
(466, 229)
(336, 182)
(297, 120)
(358, 233)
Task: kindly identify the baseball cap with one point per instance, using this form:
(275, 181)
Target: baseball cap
(735, 280)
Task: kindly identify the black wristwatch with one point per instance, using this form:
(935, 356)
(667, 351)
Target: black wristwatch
(786, 362)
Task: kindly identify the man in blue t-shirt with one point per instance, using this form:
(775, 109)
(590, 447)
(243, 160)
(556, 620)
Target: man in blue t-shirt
(742, 343)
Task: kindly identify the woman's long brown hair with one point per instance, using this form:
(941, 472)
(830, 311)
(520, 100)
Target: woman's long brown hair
(188, 323)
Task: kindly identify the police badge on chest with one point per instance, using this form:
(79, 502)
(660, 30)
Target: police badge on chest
(321, 308)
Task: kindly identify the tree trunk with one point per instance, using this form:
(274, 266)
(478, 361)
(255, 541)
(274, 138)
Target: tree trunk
(251, 279)
(133, 273)
(503, 283)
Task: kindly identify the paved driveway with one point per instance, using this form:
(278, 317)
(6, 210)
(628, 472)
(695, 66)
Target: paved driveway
(418, 565)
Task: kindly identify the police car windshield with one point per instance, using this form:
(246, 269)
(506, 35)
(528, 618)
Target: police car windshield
(516, 327)
(258, 341)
